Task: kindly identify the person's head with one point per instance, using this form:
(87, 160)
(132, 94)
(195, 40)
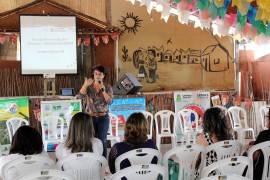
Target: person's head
(151, 54)
(99, 73)
(80, 133)
(138, 55)
(215, 123)
(136, 129)
(26, 141)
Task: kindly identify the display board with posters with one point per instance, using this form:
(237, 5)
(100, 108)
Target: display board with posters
(123, 107)
(198, 101)
(17, 107)
(62, 108)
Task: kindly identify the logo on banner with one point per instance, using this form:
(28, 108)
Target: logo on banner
(202, 96)
(185, 97)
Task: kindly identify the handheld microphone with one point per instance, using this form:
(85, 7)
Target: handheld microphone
(99, 81)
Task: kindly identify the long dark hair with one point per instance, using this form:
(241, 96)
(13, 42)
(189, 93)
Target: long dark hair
(136, 129)
(80, 133)
(215, 122)
(26, 141)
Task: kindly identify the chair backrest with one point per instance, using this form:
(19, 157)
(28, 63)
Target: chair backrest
(264, 110)
(27, 164)
(138, 156)
(165, 125)
(113, 124)
(13, 124)
(236, 114)
(47, 174)
(232, 165)
(265, 148)
(83, 165)
(186, 156)
(150, 172)
(50, 126)
(226, 177)
(189, 120)
(149, 116)
(223, 108)
(225, 149)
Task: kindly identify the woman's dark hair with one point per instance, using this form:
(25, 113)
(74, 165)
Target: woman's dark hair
(136, 129)
(215, 122)
(101, 69)
(80, 133)
(26, 141)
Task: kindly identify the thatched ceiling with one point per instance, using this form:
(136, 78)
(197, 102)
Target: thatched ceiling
(9, 20)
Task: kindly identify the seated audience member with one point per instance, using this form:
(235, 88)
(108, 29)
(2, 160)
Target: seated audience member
(79, 139)
(26, 141)
(215, 128)
(135, 136)
(258, 158)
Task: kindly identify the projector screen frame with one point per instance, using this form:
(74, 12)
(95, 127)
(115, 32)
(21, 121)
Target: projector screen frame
(50, 72)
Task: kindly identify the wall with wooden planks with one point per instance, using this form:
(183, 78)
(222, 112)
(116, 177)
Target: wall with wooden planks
(93, 8)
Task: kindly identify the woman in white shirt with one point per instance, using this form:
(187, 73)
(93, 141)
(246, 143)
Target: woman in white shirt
(80, 139)
(26, 141)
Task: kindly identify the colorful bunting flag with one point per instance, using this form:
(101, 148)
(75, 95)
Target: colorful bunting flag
(96, 41)
(86, 41)
(3, 39)
(105, 39)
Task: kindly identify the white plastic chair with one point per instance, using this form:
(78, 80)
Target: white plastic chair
(265, 148)
(185, 121)
(47, 174)
(13, 124)
(223, 108)
(138, 156)
(226, 177)
(150, 172)
(164, 130)
(26, 164)
(224, 149)
(264, 110)
(186, 156)
(113, 137)
(232, 165)
(149, 116)
(50, 133)
(235, 114)
(83, 165)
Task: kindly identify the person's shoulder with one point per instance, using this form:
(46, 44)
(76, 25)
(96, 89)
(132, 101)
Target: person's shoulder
(8, 158)
(96, 141)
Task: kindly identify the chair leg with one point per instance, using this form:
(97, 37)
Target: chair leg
(158, 139)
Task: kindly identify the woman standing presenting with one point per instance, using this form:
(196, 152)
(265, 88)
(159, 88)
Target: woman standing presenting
(99, 97)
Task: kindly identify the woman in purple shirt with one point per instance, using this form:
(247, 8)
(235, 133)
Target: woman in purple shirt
(136, 130)
(99, 96)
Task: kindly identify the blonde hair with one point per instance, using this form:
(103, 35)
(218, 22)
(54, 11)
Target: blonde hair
(80, 133)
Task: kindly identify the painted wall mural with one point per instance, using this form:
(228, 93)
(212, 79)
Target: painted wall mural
(170, 56)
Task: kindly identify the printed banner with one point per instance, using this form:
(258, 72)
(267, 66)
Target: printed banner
(198, 101)
(62, 108)
(9, 108)
(123, 107)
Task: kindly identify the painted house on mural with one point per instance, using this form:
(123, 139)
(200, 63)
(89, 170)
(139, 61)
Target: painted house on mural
(195, 57)
(185, 56)
(215, 59)
(168, 55)
(159, 53)
(177, 55)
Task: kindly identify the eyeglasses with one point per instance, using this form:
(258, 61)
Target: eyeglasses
(98, 74)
